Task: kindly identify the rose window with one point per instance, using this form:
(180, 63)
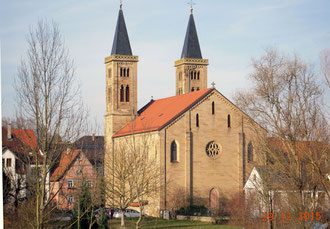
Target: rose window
(213, 149)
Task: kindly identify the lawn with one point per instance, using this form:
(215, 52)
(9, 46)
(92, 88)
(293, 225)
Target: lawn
(162, 223)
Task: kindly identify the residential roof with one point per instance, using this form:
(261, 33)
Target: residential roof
(121, 44)
(22, 142)
(67, 158)
(27, 136)
(191, 48)
(93, 148)
(161, 112)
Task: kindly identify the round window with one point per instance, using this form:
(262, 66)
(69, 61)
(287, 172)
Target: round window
(213, 149)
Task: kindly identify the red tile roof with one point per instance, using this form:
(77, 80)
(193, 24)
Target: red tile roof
(26, 136)
(65, 162)
(161, 112)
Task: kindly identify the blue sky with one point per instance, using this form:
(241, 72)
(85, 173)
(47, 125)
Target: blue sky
(230, 34)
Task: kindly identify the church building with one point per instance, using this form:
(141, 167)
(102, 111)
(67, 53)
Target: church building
(205, 143)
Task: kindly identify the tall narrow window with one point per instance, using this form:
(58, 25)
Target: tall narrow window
(228, 121)
(197, 120)
(198, 75)
(127, 93)
(121, 71)
(8, 162)
(250, 152)
(174, 151)
(195, 75)
(191, 75)
(180, 76)
(121, 93)
(127, 72)
(124, 71)
(213, 108)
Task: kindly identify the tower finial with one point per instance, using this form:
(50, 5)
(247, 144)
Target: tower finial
(121, 4)
(191, 3)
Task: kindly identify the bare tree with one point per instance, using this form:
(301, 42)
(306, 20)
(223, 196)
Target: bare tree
(325, 65)
(287, 100)
(133, 173)
(48, 94)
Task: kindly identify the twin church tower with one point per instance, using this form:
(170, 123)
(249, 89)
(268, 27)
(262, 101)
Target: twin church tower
(121, 74)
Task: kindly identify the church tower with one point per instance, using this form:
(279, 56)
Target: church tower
(191, 69)
(121, 82)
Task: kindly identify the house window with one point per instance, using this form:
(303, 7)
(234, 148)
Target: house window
(250, 152)
(127, 93)
(121, 93)
(197, 120)
(8, 162)
(70, 199)
(90, 183)
(70, 183)
(3, 162)
(213, 108)
(228, 121)
(174, 151)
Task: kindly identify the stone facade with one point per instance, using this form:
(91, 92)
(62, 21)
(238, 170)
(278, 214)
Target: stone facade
(210, 137)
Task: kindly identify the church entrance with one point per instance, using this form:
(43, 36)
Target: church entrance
(214, 201)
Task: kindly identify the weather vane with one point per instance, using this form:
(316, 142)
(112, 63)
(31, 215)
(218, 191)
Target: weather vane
(191, 3)
(121, 4)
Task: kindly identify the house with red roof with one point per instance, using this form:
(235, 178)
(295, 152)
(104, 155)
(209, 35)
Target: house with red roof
(204, 144)
(67, 179)
(20, 153)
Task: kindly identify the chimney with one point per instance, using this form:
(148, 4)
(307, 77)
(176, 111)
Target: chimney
(9, 136)
(93, 137)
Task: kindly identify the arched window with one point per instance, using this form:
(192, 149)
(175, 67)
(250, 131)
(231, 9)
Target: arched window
(192, 89)
(124, 71)
(250, 152)
(228, 121)
(121, 93)
(121, 71)
(127, 72)
(127, 93)
(198, 75)
(213, 108)
(191, 75)
(197, 120)
(174, 152)
(195, 75)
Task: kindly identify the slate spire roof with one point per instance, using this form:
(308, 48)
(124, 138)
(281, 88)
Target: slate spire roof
(191, 47)
(121, 43)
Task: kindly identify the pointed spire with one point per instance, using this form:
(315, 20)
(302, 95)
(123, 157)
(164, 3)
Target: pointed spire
(121, 44)
(191, 48)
